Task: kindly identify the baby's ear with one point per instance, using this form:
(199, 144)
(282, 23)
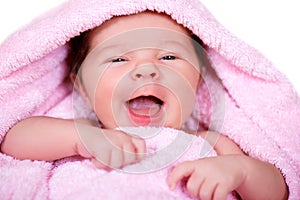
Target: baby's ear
(81, 89)
(202, 72)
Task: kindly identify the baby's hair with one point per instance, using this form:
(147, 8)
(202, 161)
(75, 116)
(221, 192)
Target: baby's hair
(78, 50)
(201, 53)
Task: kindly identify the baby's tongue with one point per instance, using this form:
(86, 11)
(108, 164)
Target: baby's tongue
(144, 106)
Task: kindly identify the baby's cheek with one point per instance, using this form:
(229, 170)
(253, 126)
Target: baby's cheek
(176, 113)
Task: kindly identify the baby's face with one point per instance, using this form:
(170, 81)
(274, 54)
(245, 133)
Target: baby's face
(141, 70)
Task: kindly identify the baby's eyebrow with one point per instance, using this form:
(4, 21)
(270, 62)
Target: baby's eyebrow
(103, 48)
(184, 48)
(123, 47)
(174, 43)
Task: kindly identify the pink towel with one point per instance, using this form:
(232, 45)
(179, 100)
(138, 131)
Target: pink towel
(245, 98)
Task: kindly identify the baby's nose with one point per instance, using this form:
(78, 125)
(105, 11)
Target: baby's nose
(145, 72)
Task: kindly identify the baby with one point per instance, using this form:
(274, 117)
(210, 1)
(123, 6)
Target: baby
(142, 70)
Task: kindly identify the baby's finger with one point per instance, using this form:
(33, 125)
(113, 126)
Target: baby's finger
(140, 148)
(129, 154)
(194, 184)
(99, 165)
(181, 171)
(116, 158)
(220, 193)
(207, 190)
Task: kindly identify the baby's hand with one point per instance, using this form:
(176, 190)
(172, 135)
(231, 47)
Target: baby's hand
(210, 178)
(109, 148)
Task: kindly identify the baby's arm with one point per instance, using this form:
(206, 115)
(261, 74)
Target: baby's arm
(216, 177)
(49, 139)
(41, 138)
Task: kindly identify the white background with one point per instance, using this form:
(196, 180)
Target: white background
(272, 27)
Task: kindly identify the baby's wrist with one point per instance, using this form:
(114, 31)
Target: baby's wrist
(79, 147)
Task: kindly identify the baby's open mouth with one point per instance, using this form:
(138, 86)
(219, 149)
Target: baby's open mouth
(144, 106)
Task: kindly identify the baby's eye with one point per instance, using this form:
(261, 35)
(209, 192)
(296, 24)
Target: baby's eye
(168, 57)
(118, 60)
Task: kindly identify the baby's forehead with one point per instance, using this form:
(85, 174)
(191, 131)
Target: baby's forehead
(149, 21)
(146, 38)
